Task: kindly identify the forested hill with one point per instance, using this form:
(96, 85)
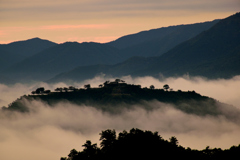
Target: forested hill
(138, 144)
(116, 95)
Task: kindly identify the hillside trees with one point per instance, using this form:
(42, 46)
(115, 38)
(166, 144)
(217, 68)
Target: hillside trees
(139, 144)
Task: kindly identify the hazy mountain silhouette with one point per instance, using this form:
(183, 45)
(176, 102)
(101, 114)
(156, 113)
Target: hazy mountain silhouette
(127, 67)
(214, 53)
(28, 47)
(8, 58)
(62, 57)
(17, 51)
(155, 42)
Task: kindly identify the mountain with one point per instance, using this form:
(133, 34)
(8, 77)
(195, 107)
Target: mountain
(87, 72)
(28, 47)
(155, 42)
(214, 53)
(60, 58)
(8, 58)
(17, 51)
(110, 96)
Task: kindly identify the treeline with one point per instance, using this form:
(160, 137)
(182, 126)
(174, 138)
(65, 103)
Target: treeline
(138, 144)
(113, 96)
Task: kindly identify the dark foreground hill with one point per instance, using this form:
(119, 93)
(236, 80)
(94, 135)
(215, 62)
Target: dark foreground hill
(115, 96)
(138, 144)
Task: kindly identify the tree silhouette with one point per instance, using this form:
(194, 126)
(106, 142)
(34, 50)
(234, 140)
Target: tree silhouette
(65, 89)
(90, 150)
(166, 87)
(152, 87)
(71, 88)
(117, 80)
(105, 83)
(108, 137)
(138, 144)
(72, 154)
(87, 86)
(39, 90)
(173, 141)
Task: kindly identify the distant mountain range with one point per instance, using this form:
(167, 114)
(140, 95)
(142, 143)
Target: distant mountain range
(155, 42)
(214, 53)
(61, 58)
(210, 49)
(17, 51)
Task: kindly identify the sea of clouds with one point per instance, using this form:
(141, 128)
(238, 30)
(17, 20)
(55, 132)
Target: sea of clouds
(48, 132)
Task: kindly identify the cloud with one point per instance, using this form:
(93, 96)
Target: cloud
(51, 132)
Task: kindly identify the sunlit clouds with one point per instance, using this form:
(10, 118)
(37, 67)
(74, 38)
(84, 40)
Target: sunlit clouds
(62, 20)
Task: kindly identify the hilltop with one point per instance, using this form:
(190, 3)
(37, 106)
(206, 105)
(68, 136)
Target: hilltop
(117, 95)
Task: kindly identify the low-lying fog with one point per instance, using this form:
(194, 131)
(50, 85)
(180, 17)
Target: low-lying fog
(50, 133)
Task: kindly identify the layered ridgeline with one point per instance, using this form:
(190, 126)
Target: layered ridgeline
(213, 53)
(37, 59)
(61, 58)
(17, 51)
(116, 96)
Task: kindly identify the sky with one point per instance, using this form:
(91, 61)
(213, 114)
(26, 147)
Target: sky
(101, 20)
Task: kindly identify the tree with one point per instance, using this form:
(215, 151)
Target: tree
(173, 141)
(73, 153)
(166, 87)
(90, 150)
(71, 88)
(87, 86)
(107, 82)
(40, 90)
(152, 87)
(65, 89)
(59, 89)
(117, 80)
(108, 137)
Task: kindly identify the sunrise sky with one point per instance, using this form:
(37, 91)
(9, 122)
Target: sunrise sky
(101, 20)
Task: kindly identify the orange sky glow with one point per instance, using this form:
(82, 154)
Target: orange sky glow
(101, 20)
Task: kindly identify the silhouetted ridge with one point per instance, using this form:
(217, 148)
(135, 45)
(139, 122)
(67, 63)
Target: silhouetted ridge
(61, 58)
(114, 96)
(139, 144)
(214, 53)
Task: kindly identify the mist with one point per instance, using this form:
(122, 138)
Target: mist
(50, 132)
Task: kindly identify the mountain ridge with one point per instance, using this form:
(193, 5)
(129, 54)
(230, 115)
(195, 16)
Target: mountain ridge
(213, 54)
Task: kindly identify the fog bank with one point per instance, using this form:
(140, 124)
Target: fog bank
(49, 132)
